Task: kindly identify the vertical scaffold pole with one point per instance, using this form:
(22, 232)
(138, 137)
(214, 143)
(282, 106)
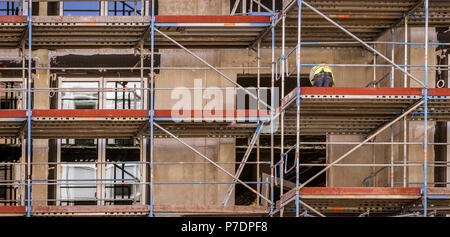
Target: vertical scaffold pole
(425, 136)
(272, 113)
(297, 147)
(29, 112)
(283, 72)
(152, 79)
(392, 57)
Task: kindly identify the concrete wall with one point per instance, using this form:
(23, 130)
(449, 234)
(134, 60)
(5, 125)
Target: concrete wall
(223, 150)
(169, 150)
(356, 77)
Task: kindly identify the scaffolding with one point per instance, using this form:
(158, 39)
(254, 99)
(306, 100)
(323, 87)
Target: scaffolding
(305, 111)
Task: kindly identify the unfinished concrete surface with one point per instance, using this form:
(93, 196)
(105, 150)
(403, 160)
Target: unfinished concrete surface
(168, 150)
(41, 146)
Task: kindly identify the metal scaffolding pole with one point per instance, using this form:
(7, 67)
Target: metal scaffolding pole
(141, 71)
(374, 68)
(405, 85)
(258, 78)
(283, 71)
(262, 5)
(392, 85)
(212, 162)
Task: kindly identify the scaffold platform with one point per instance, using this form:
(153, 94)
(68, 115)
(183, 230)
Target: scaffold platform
(376, 200)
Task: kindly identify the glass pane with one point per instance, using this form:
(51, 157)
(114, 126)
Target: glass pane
(128, 99)
(123, 191)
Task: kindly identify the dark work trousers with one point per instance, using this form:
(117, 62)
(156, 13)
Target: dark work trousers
(323, 79)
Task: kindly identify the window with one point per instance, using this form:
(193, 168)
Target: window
(9, 8)
(81, 8)
(85, 158)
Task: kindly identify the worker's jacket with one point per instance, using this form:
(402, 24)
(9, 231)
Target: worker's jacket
(318, 69)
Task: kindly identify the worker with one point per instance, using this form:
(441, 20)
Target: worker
(321, 76)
